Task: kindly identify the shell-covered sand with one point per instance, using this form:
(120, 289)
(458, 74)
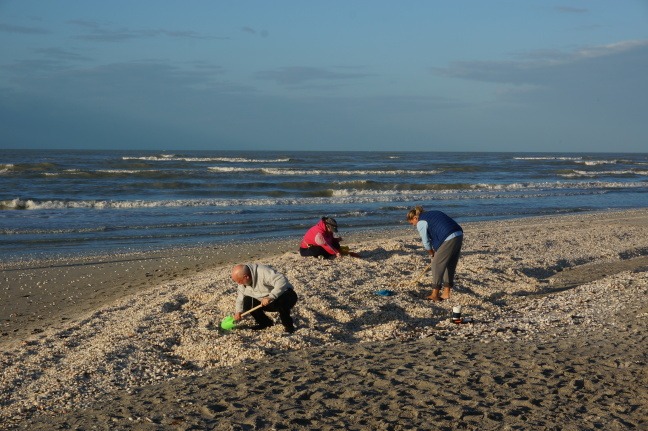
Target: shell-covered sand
(528, 281)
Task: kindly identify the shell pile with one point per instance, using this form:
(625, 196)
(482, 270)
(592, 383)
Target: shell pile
(174, 329)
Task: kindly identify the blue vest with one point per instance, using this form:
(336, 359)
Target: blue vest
(440, 226)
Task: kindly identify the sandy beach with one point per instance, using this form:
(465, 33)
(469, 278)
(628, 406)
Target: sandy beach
(558, 339)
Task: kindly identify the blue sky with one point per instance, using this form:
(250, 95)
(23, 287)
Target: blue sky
(325, 75)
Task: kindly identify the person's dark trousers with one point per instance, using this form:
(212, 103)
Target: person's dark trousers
(315, 251)
(281, 305)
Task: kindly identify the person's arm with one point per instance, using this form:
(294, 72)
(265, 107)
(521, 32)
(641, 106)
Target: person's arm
(422, 227)
(322, 242)
(239, 303)
(239, 299)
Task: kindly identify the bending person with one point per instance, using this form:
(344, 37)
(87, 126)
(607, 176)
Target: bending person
(442, 237)
(260, 284)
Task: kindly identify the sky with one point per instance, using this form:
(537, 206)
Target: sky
(328, 75)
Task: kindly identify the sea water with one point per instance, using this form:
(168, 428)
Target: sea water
(57, 203)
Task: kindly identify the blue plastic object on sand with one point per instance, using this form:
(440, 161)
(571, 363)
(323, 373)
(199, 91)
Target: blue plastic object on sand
(384, 292)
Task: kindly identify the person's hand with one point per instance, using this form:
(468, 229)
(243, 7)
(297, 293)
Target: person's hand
(237, 316)
(431, 252)
(266, 301)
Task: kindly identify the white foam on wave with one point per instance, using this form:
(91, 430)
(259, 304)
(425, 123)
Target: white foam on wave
(560, 185)
(65, 171)
(122, 171)
(5, 169)
(356, 192)
(347, 195)
(302, 172)
(548, 158)
(167, 158)
(99, 171)
(580, 160)
(529, 187)
(52, 231)
(599, 162)
(576, 174)
(17, 204)
(244, 160)
(227, 169)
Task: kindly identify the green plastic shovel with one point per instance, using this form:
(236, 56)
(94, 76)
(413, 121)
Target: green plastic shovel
(229, 322)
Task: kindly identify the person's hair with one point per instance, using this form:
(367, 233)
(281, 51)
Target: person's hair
(417, 211)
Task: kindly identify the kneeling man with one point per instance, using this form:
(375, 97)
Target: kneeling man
(260, 284)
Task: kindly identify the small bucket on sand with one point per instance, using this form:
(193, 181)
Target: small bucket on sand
(456, 313)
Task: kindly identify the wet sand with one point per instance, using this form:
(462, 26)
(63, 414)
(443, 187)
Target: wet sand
(132, 341)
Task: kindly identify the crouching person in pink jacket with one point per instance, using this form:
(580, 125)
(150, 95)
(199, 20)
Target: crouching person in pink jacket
(319, 240)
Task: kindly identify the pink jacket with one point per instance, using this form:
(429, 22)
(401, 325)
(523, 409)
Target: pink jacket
(319, 235)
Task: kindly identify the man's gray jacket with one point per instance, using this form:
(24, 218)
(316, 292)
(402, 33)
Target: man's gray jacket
(265, 283)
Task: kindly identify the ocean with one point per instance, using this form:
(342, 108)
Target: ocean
(60, 203)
